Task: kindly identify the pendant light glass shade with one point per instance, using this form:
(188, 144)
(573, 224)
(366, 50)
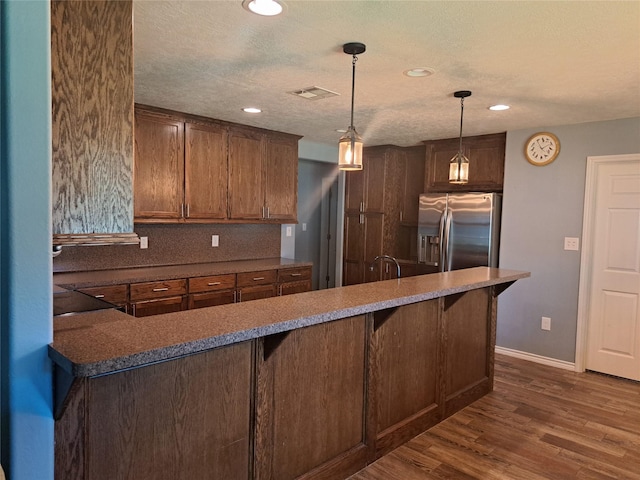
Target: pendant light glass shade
(350, 151)
(459, 169)
(459, 164)
(350, 144)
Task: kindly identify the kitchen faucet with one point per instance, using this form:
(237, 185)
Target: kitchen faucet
(385, 258)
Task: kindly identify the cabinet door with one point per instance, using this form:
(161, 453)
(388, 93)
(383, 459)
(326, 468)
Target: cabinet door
(375, 177)
(246, 187)
(363, 242)
(246, 294)
(413, 184)
(281, 178)
(158, 188)
(205, 171)
(487, 152)
(294, 287)
(353, 248)
(486, 163)
(156, 307)
(354, 192)
(211, 299)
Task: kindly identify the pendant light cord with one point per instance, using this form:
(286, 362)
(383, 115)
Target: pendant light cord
(461, 115)
(353, 84)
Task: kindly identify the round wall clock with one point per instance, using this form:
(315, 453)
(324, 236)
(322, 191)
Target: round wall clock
(542, 148)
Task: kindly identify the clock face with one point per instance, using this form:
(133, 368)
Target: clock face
(542, 148)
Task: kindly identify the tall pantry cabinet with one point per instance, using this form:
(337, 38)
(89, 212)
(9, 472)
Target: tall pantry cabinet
(381, 211)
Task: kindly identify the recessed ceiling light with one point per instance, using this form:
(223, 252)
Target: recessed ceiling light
(251, 110)
(419, 72)
(268, 8)
(497, 108)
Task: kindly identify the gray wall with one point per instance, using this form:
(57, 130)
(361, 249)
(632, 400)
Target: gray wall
(309, 242)
(541, 206)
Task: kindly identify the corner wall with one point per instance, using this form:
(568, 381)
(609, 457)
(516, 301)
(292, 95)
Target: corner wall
(541, 206)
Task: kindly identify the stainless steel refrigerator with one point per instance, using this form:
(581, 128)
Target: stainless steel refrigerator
(459, 230)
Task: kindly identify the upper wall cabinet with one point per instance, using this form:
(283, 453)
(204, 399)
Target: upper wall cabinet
(92, 122)
(180, 170)
(193, 169)
(486, 163)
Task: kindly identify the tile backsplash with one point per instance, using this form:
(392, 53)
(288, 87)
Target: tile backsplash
(176, 244)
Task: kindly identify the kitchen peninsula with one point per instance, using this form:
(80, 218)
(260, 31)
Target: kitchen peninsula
(312, 385)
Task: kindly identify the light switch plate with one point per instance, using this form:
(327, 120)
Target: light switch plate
(215, 240)
(545, 324)
(571, 243)
(289, 232)
(144, 242)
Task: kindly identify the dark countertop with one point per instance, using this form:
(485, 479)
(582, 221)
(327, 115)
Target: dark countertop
(77, 280)
(96, 343)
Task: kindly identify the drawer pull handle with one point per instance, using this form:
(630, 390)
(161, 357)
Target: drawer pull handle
(99, 296)
(255, 279)
(212, 284)
(296, 274)
(161, 289)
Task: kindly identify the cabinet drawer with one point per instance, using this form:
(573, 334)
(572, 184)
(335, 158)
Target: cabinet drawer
(151, 290)
(116, 294)
(212, 283)
(263, 277)
(289, 288)
(294, 274)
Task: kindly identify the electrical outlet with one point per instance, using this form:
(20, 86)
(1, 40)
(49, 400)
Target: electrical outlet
(215, 240)
(304, 227)
(144, 242)
(571, 243)
(545, 324)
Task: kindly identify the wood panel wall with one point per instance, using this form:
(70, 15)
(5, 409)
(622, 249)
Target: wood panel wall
(92, 116)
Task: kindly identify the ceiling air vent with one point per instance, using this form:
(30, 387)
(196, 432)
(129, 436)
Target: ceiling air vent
(314, 93)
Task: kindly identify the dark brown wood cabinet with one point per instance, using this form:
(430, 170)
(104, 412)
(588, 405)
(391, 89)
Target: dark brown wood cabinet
(153, 298)
(381, 211)
(246, 189)
(486, 163)
(183, 419)
(200, 170)
(469, 347)
(205, 166)
(364, 218)
(294, 280)
(311, 386)
(212, 290)
(263, 175)
(159, 167)
(180, 169)
(257, 285)
(281, 177)
(406, 386)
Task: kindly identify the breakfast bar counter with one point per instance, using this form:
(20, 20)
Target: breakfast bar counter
(311, 385)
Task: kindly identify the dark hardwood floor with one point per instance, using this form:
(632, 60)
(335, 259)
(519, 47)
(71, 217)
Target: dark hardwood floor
(540, 422)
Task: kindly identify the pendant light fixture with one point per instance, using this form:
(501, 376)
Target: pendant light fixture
(350, 145)
(459, 164)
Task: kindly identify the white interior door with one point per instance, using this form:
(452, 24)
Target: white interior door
(613, 321)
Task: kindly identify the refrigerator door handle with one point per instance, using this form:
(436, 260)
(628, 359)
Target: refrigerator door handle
(447, 231)
(441, 241)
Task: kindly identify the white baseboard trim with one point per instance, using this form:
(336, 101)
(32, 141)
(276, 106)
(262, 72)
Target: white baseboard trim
(532, 357)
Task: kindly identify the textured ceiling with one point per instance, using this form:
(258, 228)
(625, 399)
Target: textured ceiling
(554, 62)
